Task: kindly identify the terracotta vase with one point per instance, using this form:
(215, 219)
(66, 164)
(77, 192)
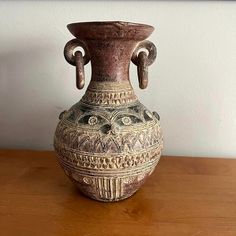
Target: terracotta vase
(109, 143)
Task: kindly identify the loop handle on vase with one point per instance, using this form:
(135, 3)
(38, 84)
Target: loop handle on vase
(77, 59)
(142, 61)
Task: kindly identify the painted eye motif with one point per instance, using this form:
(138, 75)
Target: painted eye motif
(126, 120)
(93, 120)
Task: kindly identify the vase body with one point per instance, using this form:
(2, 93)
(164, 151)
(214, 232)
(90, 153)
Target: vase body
(109, 143)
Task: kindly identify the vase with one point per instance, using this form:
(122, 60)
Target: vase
(108, 143)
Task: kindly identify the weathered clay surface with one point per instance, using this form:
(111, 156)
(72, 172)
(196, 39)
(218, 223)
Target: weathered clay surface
(109, 143)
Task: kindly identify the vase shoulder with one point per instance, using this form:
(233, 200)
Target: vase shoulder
(109, 94)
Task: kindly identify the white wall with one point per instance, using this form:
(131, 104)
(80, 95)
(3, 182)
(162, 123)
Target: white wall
(192, 83)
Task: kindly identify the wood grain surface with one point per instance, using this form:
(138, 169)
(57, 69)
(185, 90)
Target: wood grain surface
(184, 197)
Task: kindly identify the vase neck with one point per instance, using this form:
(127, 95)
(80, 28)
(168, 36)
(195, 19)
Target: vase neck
(110, 59)
(110, 85)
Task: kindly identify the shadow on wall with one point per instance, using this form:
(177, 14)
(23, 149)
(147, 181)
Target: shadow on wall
(29, 111)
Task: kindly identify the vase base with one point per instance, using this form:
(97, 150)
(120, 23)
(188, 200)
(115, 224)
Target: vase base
(108, 200)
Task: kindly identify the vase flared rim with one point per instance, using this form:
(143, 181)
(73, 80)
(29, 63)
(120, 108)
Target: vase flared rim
(110, 30)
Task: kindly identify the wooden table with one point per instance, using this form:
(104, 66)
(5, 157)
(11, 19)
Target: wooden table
(184, 197)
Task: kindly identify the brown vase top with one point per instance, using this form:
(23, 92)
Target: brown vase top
(110, 30)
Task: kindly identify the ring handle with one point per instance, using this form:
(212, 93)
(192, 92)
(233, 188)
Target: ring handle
(69, 51)
(79, 64)
(142, 61)
(77, 59)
